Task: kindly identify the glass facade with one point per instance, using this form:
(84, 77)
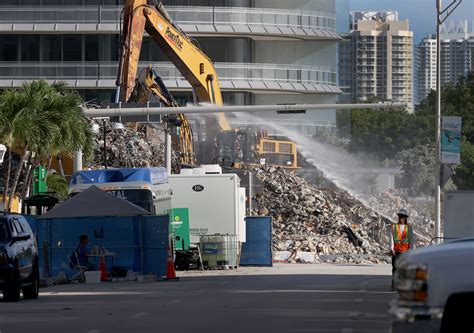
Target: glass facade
(257, 52)
(54, 48)
(87, 47)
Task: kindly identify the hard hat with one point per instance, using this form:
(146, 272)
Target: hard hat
(403, 212)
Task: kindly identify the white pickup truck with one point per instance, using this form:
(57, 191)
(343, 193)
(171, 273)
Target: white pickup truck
(435, 287)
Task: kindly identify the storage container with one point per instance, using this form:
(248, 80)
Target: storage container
(92, 276)
(216, 204)
(219, 251)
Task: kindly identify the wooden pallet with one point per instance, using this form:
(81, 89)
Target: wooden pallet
(220, 267)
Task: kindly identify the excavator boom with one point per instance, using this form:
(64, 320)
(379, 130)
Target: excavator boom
(193, 64)
(222, 142)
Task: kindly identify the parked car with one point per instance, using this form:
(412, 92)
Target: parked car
(19, 269)
(435, 287)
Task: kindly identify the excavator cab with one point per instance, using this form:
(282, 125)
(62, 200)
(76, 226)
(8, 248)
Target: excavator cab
(234, 148)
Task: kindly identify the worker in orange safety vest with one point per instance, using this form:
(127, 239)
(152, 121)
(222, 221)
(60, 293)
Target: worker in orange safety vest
(401, 237)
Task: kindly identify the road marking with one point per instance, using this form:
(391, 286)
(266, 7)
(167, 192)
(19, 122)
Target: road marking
(174, 301)
(354, 314)
(139, 314)
(92, 293)
(322, 291)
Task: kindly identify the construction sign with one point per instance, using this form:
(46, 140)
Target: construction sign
(451, 140)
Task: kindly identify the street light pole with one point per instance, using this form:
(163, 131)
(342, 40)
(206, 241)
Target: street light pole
(438, 122)
(439, 21)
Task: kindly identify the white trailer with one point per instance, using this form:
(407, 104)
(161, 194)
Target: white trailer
(459, 214)
(216, 203)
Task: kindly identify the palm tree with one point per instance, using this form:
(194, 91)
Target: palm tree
(33, 129)
(8, 109)
(47, 121)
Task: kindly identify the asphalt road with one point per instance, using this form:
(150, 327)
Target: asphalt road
(286, 298)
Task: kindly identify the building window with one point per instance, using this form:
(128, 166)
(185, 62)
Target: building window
(9, 48)
(51, 50)
(91, 48)
(30, 50)
(72, 48)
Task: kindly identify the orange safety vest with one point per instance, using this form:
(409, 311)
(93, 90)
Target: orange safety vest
(401, 239)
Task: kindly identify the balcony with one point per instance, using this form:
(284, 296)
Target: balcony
(197, 21)
(232, 76)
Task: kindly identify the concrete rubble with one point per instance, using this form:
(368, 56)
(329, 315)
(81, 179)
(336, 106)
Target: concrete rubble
(315, 225)
(137, 146)
(420, 210)
(310, 224)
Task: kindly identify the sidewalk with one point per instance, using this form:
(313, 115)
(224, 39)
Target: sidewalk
(300, 269)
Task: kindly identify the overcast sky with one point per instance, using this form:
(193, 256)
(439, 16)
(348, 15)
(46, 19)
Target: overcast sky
(420, 13)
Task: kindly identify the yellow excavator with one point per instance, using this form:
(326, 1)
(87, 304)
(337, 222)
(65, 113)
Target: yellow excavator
(225, 146)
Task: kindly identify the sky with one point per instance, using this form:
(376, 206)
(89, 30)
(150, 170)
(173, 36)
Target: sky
(420, 13)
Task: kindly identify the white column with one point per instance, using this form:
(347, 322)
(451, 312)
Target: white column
(168, 151)
(78, 161)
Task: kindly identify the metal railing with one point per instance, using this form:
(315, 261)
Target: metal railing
(181, 14)
(225, 71)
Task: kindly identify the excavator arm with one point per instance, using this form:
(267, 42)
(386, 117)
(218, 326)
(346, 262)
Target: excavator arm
(140, 17)
(152, 84)
(193, 64)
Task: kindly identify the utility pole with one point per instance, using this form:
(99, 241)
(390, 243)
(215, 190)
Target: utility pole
(104, 128)
(442, 15)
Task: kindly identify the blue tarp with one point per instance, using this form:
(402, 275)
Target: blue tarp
(257, 250)
(140, 242)
(150, 175)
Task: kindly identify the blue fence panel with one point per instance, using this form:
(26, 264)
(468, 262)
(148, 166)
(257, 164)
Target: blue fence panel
(155, 244)
(31, 221)
(127, 237)
(257, 250)
(117, 234)
(44, 240)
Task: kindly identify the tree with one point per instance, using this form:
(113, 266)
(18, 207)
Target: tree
(8, 109)
(58, 184)
(44, 120)
(403, 136)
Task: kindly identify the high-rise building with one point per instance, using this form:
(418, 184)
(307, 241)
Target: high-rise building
(425, 69)
(376, 58)
(457, 58)
(265, 51)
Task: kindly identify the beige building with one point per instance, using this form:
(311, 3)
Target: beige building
(376, 58)
(457, 58)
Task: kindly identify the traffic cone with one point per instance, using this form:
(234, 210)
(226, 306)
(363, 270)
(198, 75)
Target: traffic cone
(103, 270)
(170, 272)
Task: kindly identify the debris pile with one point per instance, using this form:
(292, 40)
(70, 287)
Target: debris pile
(330, 224)
(129, 147)
(420, 210)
